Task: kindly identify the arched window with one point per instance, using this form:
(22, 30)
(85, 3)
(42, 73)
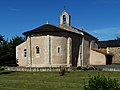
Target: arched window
(64, 19)
(37, 50)
(25, 52)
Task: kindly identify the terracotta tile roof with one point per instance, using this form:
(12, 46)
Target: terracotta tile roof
(97, 50)
(49, 28)
(86, 33)
(52, 28)
(100, 51)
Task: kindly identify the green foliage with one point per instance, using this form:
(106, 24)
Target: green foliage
(8, 50)
(1, 39)
(102, 83)
(79, 68)
(74, 80)
(2, 69)
(86, 68)
(62, 72)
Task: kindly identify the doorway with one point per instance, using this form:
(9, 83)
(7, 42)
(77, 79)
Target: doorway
(108, 59)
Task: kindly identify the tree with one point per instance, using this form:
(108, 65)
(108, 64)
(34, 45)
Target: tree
(15, 41)
(8, 50)
(3, 51)
(1, 39)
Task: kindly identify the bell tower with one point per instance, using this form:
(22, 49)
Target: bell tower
(65, 18)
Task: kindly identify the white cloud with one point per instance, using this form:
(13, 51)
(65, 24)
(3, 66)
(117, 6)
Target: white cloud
(106, 33)
(107, 30)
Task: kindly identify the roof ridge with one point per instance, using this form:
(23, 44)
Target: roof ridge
(82, 30)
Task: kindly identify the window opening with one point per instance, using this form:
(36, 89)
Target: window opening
(37, 50)
(58, 49)
(64, 19)
(25, 52)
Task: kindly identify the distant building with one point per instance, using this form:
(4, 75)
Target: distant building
(55, 46)
(111, 47)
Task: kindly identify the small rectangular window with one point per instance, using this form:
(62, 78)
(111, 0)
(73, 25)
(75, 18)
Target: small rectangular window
(58, 49)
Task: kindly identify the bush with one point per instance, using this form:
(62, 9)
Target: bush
(102, 83)
(62, 71)
(1, 69)
(79, 68)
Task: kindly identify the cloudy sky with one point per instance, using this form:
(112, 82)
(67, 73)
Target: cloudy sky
(101, 18)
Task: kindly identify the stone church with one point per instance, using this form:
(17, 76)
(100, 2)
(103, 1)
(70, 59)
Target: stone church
(55, 46)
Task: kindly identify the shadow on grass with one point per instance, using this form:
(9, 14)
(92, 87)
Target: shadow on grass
(6, 72)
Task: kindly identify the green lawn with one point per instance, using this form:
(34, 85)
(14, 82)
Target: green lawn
(48, 80)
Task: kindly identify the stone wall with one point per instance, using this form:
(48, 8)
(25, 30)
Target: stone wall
(76, 43)
(41, 59)
(88, 44)
(55, 50)
(116, 54)
(21, 60)
(97, 58)
(115, 51)
(38, 69)
(58, 50)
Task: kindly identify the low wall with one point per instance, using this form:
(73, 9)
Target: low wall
(49, 69)
(112, 67)
(97, 58)
(36, 69)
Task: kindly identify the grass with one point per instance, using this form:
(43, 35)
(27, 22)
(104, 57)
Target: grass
(74, 80)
